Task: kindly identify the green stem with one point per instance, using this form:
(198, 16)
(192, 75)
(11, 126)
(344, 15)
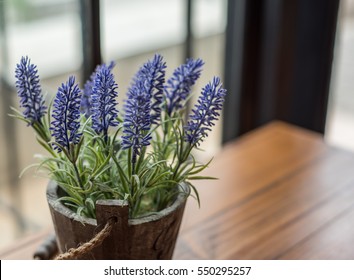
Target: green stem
(78, 176)
(181, 159)
(72, 159)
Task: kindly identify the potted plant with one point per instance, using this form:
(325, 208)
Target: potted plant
(119, 179)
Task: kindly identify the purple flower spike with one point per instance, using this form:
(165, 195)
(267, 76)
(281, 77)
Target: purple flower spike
(103, 101)
(205, 112)
(152, 78)
(179, 85)
(29, 91)
(85, 106)
(66, 115)
(137, 121)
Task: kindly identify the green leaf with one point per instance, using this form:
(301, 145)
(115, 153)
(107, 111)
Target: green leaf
(195, 192)
(27, 168)
(63, 149)
(201, 168)
(73, 200)
(67, 173)
(123, 178)
(46, 146)
(201, 178)
(102, 167)
(77, 149)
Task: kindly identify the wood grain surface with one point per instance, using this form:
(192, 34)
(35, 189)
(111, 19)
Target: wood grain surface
(282, 193)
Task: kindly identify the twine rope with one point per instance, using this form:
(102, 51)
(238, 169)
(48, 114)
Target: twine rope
(74, 253)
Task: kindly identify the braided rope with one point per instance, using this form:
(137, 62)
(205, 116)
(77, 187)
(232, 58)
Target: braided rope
(75, 253)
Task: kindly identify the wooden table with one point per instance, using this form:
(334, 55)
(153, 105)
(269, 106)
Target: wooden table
(282, 194)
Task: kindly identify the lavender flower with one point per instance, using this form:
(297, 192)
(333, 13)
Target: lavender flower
(152, 78)
(85, 106)
(29, 91)
(205, 112)
(66, 114)
(179, 85)
(137, 120)
(103, 101)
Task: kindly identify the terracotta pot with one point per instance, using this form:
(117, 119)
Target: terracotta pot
(152, 237)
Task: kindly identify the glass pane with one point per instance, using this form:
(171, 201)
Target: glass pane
(340, 120)
(49, 32)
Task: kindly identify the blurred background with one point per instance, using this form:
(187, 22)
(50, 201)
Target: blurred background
(238, 40)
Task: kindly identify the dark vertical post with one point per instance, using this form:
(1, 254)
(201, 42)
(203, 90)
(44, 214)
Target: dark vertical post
(233, 72)
(189, 35)
(188, 44)
(306, 94)
(91, 40)
(278, 62)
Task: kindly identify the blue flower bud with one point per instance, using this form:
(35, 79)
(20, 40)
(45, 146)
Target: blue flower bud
(137, 120)
(205, 112)
(29, 91)
(151, 77)
(103, 101)
(179, 86)
(66, 115)
(85, 106)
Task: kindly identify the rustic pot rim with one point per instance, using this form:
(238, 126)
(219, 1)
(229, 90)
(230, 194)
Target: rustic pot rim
(52, 198)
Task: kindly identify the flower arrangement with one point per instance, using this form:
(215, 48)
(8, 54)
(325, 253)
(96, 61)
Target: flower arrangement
(140, 154)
